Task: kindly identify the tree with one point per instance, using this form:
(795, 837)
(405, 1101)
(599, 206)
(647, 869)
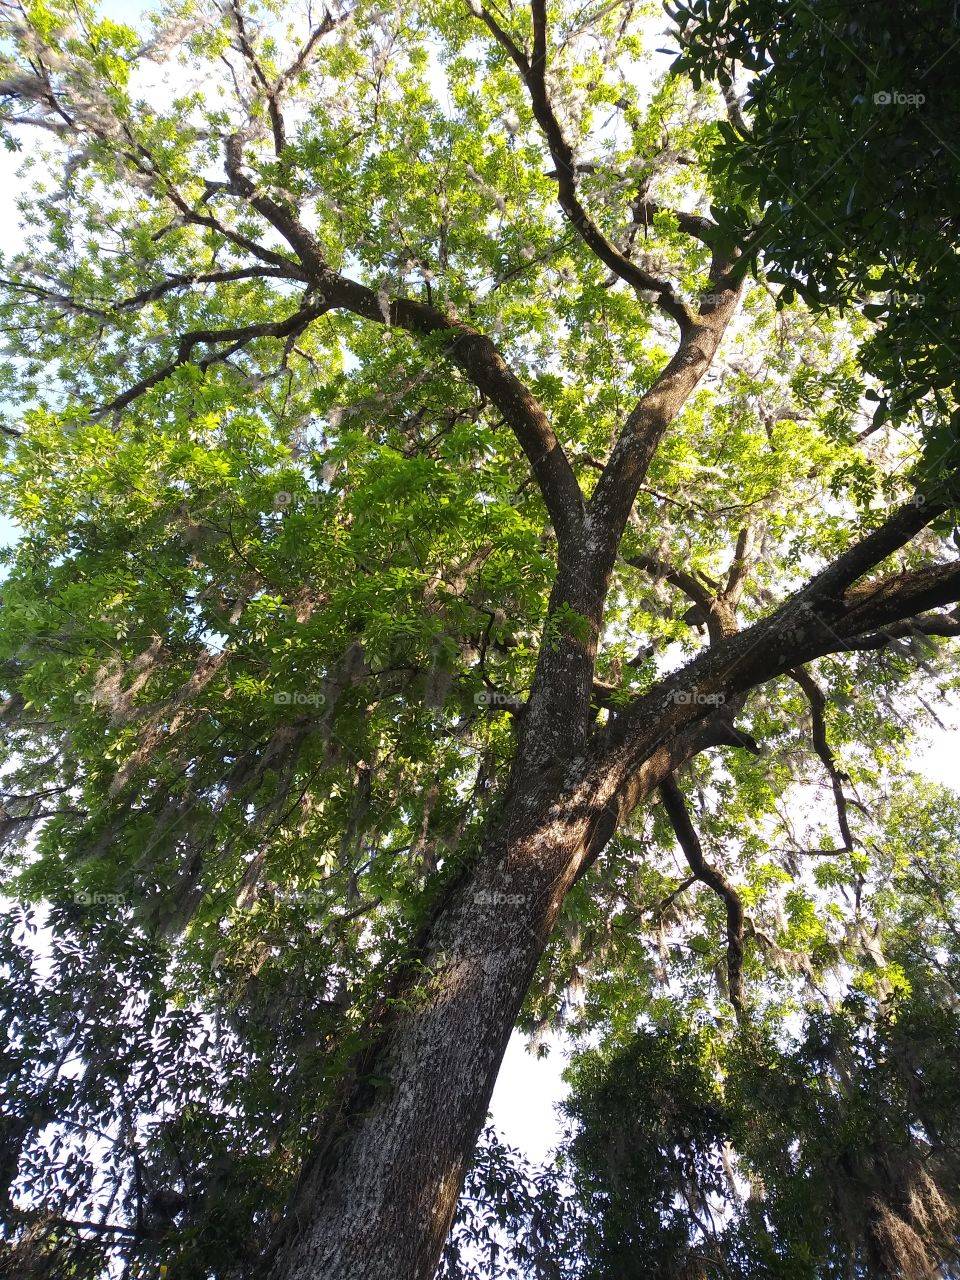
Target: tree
(395, 531)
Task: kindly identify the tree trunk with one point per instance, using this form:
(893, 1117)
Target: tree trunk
(378, 1197)
(379, 1200)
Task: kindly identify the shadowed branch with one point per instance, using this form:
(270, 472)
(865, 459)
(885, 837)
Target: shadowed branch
(676, 810)
(818, 704)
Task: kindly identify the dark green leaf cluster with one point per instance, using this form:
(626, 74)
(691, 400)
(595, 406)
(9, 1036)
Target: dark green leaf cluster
(845, 161)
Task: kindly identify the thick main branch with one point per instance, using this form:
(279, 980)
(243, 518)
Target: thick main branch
(533, 72)
(471, 351)
(833, 613)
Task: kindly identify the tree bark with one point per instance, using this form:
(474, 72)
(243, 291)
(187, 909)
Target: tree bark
(379, 1196)
(379, 1199)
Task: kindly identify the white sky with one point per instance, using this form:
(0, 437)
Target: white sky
(529, 1088)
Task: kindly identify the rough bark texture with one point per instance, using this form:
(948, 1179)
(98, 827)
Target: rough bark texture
(380, 1198)
(381, 1201)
